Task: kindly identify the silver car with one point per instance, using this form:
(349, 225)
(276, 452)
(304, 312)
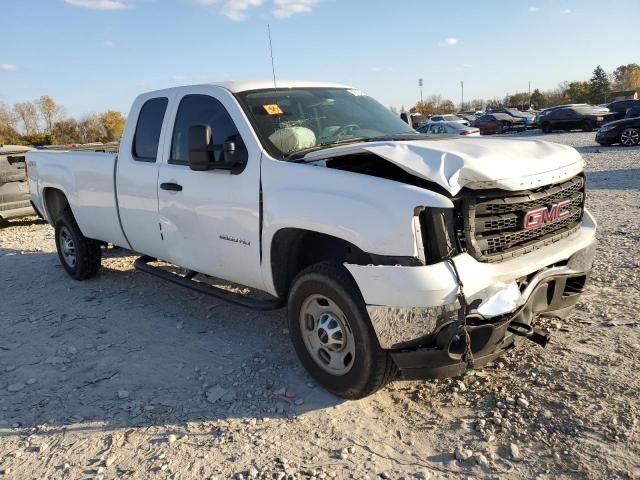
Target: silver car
(448, 128)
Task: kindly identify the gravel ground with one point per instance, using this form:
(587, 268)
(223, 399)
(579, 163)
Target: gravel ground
(126, 376)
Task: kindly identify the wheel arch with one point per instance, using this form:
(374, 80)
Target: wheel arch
(55, 203)
(294, 249)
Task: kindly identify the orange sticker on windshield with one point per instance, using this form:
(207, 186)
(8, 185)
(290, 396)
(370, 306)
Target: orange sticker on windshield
(273, 109)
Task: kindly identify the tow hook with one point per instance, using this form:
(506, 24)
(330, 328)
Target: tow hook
(527, 331)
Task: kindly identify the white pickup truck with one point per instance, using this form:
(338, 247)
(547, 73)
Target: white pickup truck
(398, 255)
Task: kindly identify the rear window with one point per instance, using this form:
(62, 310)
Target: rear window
(147, 136)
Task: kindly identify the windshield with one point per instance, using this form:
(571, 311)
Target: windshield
(295, 119)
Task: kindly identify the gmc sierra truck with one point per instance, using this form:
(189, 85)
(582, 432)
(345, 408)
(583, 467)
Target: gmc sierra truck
(397, 255)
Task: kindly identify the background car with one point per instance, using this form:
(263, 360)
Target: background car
(448, 118)
(15, 199)
(528, 119)
(619, 108)
(625, 132)
(584, 117)
(498, 123)
(448, 128)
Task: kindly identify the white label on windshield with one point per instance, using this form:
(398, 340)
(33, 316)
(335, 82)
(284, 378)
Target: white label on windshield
(357, 93)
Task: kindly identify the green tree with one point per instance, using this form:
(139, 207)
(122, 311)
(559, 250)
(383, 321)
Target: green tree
(627, 77)
(113, 123)
(517, 99)
(579, 92)
(538, 99)
(40, 139)
(600, 85)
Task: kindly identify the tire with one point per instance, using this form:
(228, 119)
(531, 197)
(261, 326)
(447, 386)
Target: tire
(325, 295)
(546, 127)
(630, 137)
(588, 126)
(80, 256)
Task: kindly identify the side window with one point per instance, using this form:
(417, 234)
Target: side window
(201, 110)
(147, 136)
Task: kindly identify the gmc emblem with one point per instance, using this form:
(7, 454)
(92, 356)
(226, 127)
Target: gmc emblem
(540, 216)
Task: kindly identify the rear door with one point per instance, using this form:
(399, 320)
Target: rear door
(210, 220)
(137, 175)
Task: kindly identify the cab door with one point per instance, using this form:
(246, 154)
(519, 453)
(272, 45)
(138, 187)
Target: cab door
(210, 220)
(137, 175)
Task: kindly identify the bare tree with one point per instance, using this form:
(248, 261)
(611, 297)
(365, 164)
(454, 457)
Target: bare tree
(50, 111)
(67, 131)
(8, 124)
(91, 129)
(27, 115)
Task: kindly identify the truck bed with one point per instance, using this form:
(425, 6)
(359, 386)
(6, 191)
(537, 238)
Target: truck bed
(87, 180)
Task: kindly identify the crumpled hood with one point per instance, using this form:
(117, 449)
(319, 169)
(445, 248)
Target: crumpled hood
(476, 163)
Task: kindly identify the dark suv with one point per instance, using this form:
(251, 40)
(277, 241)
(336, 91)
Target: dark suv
(581, 117)
(619, 109)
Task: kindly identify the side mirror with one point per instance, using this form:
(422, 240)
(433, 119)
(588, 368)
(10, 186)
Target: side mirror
(233, 157)
(198, 141)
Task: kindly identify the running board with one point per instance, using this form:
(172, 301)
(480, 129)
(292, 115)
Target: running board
(187, 281)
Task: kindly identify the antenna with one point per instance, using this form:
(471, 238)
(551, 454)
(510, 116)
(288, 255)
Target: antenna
(273, 67)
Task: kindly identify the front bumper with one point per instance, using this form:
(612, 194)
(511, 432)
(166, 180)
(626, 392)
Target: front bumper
(409, 317)
(608, 137)
(556, 290)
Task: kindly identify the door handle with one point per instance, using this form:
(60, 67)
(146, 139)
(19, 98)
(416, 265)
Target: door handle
(172, 187)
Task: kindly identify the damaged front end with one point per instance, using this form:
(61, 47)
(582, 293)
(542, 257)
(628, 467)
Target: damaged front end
(485, 279)
(474, 334)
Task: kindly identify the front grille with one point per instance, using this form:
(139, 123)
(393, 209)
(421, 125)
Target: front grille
(493, 224)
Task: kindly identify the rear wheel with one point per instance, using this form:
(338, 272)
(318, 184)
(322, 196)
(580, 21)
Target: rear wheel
(332, 334)
(80, 256)
(630, 137)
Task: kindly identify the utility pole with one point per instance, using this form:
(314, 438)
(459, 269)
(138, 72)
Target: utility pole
(461, 95)
(529, 94)
(420, 85)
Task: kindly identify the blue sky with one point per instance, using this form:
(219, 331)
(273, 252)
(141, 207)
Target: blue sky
(93, 55)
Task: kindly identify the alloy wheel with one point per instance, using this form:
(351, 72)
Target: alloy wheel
(630, 137)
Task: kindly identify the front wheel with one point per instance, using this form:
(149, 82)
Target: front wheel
(80, 256)
(546, 127)
(630, 137)
(332, 334)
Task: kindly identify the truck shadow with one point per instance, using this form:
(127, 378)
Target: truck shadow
(126, 349)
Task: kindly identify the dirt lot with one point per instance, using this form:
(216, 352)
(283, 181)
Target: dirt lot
(125, 376)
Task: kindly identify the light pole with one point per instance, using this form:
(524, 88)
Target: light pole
(461, 95)
(420, 85)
